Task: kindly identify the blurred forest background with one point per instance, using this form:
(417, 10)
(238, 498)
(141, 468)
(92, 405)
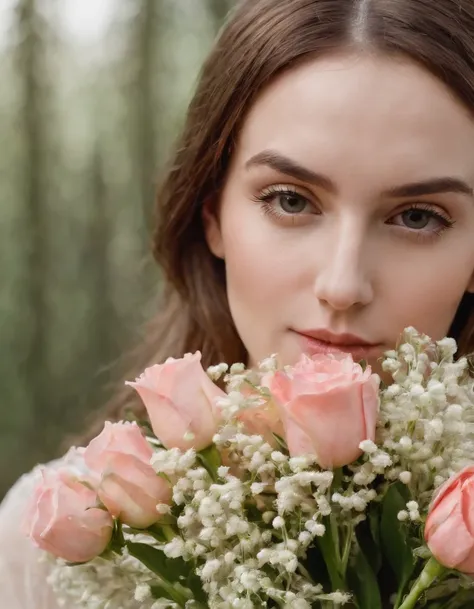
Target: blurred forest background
(92, 96)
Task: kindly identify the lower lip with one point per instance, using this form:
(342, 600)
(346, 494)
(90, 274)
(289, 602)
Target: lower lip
(313, 346)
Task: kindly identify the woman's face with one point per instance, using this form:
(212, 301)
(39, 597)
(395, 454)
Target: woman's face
(348, 211)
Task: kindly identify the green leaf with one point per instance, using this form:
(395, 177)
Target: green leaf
(394, 536)
(368, 538)
(327, 546)
(210, 457)
(194, 583)
(363, 581)
(281, 442)
(157, 561)
(315, 565)
(117, 542)
(166, 591)
(170, 570)
(374, 523)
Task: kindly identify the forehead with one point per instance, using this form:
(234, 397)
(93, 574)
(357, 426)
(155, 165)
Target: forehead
(345, 110)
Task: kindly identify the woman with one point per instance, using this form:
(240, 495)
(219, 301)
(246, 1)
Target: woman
(320, 200)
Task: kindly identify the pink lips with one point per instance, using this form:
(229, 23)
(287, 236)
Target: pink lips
(324, 342)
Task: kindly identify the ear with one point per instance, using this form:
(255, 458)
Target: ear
(212, 229)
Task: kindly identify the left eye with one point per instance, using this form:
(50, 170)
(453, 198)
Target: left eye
(419, 219)
(416, 219)
(291, 203)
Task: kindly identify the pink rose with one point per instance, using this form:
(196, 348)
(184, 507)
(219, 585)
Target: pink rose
(62, 519)
(131, 490)
(262, 420)
(125, 438)
(328, 406)
(180, 401)
(449, 529)
(129, 487)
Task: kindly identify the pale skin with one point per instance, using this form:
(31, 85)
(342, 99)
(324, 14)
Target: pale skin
(376, 234)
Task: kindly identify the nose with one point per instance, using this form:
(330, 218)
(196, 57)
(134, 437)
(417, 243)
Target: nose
(342, 280)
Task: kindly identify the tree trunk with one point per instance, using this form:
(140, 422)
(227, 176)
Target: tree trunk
(146, 32)
(35, 224)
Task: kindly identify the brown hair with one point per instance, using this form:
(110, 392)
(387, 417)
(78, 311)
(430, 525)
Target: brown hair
(261, 39)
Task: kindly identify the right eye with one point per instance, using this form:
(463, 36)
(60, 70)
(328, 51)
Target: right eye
(285, 201)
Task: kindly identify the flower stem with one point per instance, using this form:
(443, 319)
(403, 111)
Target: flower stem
(210, 457)
(347, 549)
(431, 571)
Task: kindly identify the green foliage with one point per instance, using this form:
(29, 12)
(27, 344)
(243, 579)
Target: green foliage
(396, 543)
(363, 581)
(178, 582)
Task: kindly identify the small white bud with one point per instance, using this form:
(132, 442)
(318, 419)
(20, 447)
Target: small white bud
(368, 446)
(405, 477)
(267, 517)
(414, 515)
(142, 593)
(406, 442)
(304, 537)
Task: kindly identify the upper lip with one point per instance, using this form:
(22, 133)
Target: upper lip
(345, 339)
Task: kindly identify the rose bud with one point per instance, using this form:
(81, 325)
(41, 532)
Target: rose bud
(62, 519)
(180, 400)
(449, 529)
(328, 407)
(129, 487)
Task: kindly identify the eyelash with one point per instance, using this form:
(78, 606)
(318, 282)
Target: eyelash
(265, 199)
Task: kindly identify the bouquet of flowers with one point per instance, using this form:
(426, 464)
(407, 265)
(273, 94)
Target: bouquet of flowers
(305, 486)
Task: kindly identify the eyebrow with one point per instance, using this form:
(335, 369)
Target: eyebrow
(285, 165)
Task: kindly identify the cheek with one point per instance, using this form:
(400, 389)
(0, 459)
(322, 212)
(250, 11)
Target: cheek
(263, 270)
(261, 264)
(426, 292)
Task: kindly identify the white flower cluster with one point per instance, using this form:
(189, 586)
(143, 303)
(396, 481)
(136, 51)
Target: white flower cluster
(247, 536)
(245, 528)
(121, 582)
(426, 431)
